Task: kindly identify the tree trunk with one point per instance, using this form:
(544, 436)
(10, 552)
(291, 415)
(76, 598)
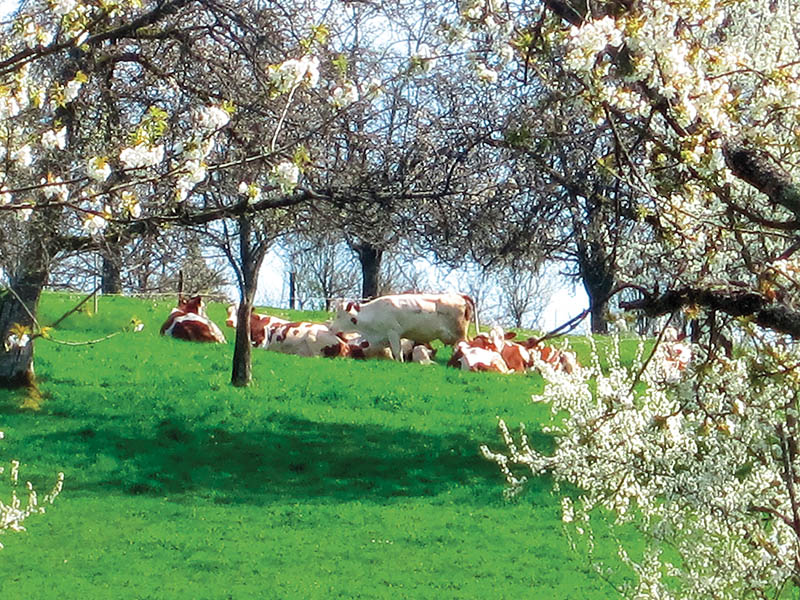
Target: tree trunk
(18, 306)
(370, 258)
(242, 374)
(111, 274)
(598, 281)
(251, 255)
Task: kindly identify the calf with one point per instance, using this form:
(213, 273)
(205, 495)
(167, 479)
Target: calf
(360, 348)
(384, 321)
(189, 322)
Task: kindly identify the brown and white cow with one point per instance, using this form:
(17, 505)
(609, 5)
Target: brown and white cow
(189, 322)
(559, 360)
(516, 356)
(475, 356)
(360, 348)
(304, 339)
(423, 318)
(258, 324)
(300, 337)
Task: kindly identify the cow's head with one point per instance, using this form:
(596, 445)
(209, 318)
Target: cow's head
(193, 305)
(346, 318)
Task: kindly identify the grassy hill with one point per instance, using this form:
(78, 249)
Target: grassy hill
(325, 479)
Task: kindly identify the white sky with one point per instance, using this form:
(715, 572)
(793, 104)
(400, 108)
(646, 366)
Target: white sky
(6, 6)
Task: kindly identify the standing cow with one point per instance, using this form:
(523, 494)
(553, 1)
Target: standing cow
(189, 322)
(423, 318)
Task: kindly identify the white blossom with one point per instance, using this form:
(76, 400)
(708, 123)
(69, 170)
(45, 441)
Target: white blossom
(486, 74)
(72, 89)
(212, 118)
(52, 139)
(62, 7)
(344, 95)
(141, 155)
(23, 156)
(98, 168)
(285, 175)
(293, 72)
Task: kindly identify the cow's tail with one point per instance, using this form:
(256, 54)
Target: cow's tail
(473, 309)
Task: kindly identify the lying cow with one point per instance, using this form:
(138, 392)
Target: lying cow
(258, 324)
(475, 356)
(300, 337)
(189, 322)
(517, 358)
(360, 348)
(384, 321)
(304, 339)
(559, 360)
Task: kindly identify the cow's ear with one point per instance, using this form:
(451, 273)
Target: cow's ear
(510, 335)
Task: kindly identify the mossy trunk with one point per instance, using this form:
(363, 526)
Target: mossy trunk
(19, 305)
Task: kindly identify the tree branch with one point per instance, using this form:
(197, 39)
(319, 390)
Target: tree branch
(767, 314)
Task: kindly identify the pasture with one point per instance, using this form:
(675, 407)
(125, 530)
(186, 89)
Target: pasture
(325, 479)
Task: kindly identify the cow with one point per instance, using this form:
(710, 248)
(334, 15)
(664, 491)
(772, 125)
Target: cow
(304, 339)
(423, 318)
(559, 360)
(258, 324)
(423, 354)
(673, 354)
(360, 348)
(517, 357)
(474, 356)
(189, 322)
(299, 337)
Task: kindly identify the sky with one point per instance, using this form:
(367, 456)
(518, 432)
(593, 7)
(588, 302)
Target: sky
(6, 6)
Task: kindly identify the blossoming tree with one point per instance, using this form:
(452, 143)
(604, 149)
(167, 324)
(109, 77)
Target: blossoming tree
(700, 97)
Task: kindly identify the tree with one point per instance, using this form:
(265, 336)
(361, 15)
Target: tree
(698, 98)
(126, 122)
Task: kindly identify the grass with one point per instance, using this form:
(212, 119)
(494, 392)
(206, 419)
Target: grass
(325, 479)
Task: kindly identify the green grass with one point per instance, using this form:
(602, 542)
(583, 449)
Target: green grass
(325, 479)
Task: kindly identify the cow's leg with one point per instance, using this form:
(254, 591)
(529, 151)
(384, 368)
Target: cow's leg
(394, 344)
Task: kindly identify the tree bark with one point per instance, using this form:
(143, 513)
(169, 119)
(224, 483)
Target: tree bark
(111, 276)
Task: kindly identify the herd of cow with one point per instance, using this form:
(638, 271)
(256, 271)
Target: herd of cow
(399, 327)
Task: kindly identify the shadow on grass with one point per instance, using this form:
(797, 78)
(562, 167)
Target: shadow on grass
(289, 458)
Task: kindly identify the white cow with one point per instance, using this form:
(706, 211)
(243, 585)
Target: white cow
(423, 318)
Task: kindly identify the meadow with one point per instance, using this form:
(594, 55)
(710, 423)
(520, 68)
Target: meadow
(324, 479)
